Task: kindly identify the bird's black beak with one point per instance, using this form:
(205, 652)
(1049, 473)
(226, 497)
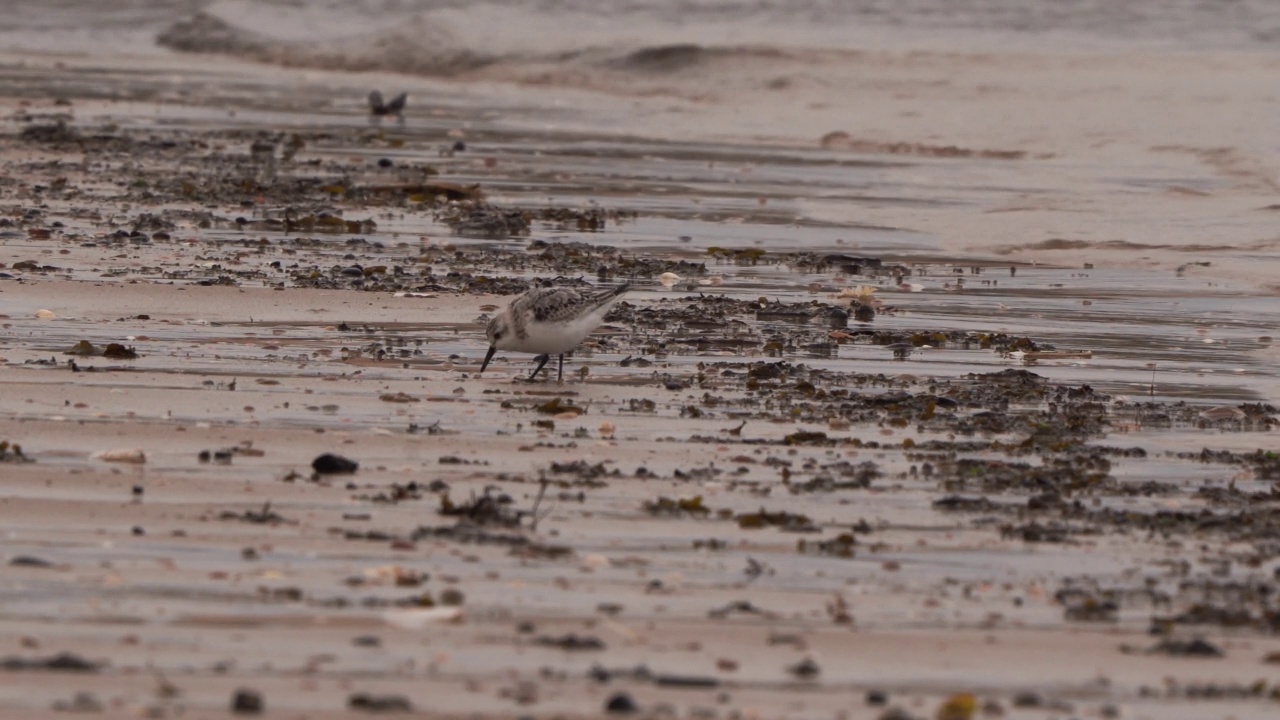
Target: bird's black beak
(487, 357)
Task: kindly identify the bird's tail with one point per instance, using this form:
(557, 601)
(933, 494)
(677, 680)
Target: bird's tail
(605, 297)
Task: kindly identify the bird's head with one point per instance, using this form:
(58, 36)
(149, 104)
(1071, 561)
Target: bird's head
(497, 332)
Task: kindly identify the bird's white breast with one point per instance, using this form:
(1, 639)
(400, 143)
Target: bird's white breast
(553, 337)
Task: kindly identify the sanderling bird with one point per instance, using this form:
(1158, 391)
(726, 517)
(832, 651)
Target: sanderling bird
(549, 321)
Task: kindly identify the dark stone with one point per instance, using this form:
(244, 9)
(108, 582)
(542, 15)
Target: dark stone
(1187, 648)
(685, 681)
(247, 702)
(330, 464)
(63, 662)
(806, 669)
(379, 703)
(620, 703)
(572, 642)
(877, 697)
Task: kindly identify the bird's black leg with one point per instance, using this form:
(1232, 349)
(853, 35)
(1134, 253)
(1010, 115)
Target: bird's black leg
(561, 378)
(542, 361)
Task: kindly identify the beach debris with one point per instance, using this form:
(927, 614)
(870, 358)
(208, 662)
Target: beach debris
(841, 546)
(29, 561)
(379, 703)
(84, 348)
(863, 312)
(1030, 357)
(121, 455)
(223, 456)
(742, 607)
(1194, 648)
(487, 508)
(43, 314)
(396, 575)
(265, 516)
(783, 520)
(62, 662)
(805, 437)
(685, 681)
(82, 702)
(621, 703)
(837, 319)
(863, 294)
(961, 706)
(331, 464)
(739, 256)
(806, 669)
(677, 506)
(558, 406)
(12, 453)
(247, 702)
(841, 140)
(572, 642)
(421, 618)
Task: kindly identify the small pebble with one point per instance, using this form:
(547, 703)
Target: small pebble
(806, 669)
(379, 703)
(247, 702)
(330, 464)
(621, 703)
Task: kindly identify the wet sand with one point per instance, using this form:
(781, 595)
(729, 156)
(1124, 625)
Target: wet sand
(734, 487)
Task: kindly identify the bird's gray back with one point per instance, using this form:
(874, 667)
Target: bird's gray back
(557, 304)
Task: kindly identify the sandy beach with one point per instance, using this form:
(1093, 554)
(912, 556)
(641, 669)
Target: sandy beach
(1035, 476)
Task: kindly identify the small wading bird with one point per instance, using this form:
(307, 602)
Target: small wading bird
(549, 321)
(377, 108)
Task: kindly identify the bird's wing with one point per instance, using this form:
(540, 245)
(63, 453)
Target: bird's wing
(553, 303)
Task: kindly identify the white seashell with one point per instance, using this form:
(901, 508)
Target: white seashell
(122, 455)
(419, 619)
(858, 291)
